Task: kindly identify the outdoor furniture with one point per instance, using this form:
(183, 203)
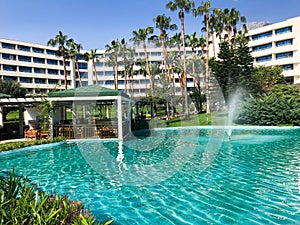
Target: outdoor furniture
(44, 134)
(31, 134)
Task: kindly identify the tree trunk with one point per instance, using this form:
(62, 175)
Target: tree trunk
(206, 80)
(186, 105)
(95, 72)
(78, 72)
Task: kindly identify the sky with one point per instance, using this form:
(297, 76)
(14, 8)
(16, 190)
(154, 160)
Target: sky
(95, 23)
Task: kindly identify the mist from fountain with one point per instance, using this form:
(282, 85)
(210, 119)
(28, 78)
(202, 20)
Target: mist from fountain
(232, 109)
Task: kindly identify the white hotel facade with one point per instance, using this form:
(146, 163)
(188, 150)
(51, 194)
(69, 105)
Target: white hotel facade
(37, 68)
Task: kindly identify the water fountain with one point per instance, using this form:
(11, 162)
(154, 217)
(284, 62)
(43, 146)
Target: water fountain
(232, 110)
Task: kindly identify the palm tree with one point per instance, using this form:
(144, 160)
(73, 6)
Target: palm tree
(73, 52)
(227, 17)
(235, 19)
(205, 9)
(184, 6)
(163, 23)
(91, 55)
(114, 50)
(60, 40)
(202, 43)
(141, 35)
(193, 42)
(218, 25)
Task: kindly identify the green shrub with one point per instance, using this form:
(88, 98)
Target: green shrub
(20, 203)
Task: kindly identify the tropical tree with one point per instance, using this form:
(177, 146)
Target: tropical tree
(184, 6)
(114, 49)
(60, 40)
(12, 88)
(140, 36)
(235, 19)
(92, 55)
(163, 23)
(204, 9)
(73, 52)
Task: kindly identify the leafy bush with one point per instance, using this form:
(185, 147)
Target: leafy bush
(21, 204)
(281, 105)
(22, 144)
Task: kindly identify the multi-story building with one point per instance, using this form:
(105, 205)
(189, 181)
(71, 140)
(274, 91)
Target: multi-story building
(37, 68)
(278, 44)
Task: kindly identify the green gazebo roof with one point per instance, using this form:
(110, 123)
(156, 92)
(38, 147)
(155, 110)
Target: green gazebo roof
(2, 95)
(86, 91)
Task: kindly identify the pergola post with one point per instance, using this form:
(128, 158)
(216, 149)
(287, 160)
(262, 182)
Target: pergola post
(1, 116)
(120, 116)
(21, 120)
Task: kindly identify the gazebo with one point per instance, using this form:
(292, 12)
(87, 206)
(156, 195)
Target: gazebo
(97, 112)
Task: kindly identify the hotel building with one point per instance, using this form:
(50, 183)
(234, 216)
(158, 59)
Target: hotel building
(278, 44)
(37, 68)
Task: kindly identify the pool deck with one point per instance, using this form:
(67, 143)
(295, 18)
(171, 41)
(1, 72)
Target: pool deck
(12, 140)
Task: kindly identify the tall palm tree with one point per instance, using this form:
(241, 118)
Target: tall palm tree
(204, 9)
(141, 35)
(60, 40)
(235, 19)
(92, 55)
(114, 49)
(193, 42)
(73, 52)
(163, 23)
(184, 6)
(227, 17)
(218, 25)
(202, 43)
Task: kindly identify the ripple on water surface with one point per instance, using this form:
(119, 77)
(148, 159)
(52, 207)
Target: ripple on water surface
(183, 176)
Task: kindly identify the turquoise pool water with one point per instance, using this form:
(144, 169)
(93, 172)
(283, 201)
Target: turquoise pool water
(175, 176)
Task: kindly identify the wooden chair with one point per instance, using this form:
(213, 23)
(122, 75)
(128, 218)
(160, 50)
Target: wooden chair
(31, 134)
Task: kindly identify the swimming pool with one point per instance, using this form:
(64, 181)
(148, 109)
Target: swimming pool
(175, 176)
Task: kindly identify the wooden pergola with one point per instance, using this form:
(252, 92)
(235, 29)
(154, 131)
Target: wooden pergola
(114, 107)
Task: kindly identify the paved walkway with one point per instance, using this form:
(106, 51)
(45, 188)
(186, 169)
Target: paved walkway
(12, 140)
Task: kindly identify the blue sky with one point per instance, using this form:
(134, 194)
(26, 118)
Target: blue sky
(95, 23)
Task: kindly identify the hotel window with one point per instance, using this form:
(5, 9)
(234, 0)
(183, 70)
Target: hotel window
(142, 54)
(83, 74)
(264, 58)
(101, 73)
(25, 69)
(284, 42)
(9, 46)
(38, 50)
(52, 72)
(284, 55)
(82, 65)
(99, 55)
(9, 78)
(40, 81)
(100, 64)
(8, 56)
(38, 60)
(9, 68)
(52, 62)
(62, 72)
(68, 82)
(262, 35)
(39, 70)
(61, 62)
(51, 52)
(155, 53)
(283, 30)
(24, 58)
(24, 48)
(145, 81)
(261, 47)
(289, 80)
(287, 67)
(52, 81)
(189, 80)
(99, 82)
(25, 80)
(109, 73)
(121, 82)
(109, 82)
